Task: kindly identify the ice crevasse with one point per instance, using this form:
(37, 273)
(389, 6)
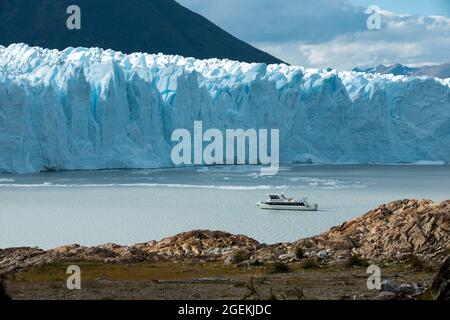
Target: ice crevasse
(100, 109)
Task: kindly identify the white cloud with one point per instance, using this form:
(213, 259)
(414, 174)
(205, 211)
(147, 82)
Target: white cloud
(330, 33)
(282, 20)
(408, 39)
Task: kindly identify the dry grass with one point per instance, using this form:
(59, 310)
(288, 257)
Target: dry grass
(110, 281)
(137, 272)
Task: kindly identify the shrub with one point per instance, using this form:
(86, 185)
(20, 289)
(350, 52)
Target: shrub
(356, 261)
(241, 256)
(310, 264)
(272, 296)
(299, 253)
(279, 267)
(415, 263)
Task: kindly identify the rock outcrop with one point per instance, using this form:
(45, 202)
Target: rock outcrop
(441, 284)
(201, 243)
(3, 295)
(390, 290)
(208, 245)
(391, 232)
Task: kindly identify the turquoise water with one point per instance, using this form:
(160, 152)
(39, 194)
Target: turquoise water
(131, 206)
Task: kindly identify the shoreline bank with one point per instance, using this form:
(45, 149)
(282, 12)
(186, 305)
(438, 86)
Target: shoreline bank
(391, 232)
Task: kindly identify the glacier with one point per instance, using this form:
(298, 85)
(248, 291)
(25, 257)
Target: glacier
(89, 108)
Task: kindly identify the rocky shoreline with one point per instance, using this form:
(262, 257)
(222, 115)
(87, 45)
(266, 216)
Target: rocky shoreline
(391, 233)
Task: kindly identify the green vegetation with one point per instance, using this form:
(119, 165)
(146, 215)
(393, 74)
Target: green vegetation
(427, 295)
(279, 267)
(255, 291)
(177, 280)
(416, 264)
(135, 272)
(299, 253)
(241, 256)
(252, 291)
(310, 264)
(356, 261)
(272, 296)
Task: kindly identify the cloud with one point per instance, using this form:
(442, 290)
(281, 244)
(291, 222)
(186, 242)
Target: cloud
(409, 40)
(330, 33)
(282, 20)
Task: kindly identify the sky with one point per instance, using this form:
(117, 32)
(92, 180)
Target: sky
(420, 7)
(334, 33)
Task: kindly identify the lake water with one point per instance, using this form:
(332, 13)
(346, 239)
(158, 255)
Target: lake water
(132, 206)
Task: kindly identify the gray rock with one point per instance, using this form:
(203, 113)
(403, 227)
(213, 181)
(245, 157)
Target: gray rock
(250, 263)
(322, 254)
(402, 291)
(408, 289)
(287, 256)
(441, 283)
(218, 251)
(254, 263)
(101, 279)
(3, 295)
(386, 295)
(389, 286)
(231, 259)
(342, 254)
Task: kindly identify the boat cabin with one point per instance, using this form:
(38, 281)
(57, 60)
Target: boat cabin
(281, 200)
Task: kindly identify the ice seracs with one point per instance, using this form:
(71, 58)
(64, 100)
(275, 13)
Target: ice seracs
(100, 109)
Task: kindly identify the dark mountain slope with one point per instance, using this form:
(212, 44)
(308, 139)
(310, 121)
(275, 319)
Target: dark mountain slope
(151, 26)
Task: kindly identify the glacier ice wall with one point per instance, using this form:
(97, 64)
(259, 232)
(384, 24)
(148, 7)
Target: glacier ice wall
(98, 109)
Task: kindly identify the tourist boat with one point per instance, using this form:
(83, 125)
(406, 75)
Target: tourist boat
(280, 202)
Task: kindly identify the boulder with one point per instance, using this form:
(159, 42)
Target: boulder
(408, 289)
(392, 232)
(441, 283)
(386, 295)
(3, 294)
(287, 256)
(401, 292)
(389, 286)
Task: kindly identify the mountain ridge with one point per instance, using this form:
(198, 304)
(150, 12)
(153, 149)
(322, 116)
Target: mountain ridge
(441, 71)
(152, 26)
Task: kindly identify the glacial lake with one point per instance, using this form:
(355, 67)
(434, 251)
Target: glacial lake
(132, 206)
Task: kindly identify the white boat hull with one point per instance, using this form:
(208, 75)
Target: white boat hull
(266, 206)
